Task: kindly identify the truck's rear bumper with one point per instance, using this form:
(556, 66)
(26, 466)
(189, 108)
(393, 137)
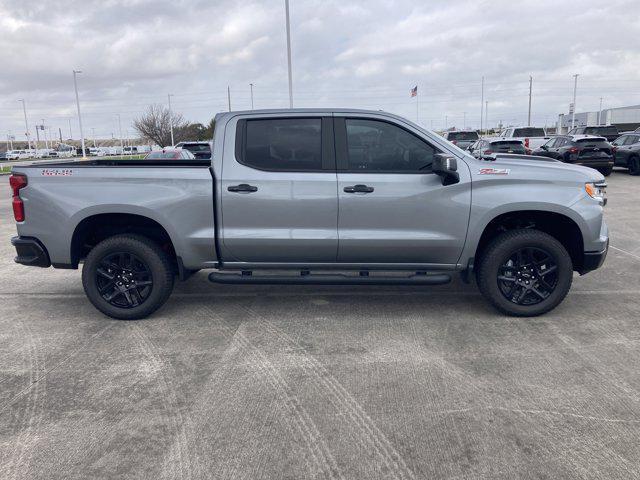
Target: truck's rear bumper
(31, 252)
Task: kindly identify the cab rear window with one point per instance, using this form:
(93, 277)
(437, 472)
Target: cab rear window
(529, 132)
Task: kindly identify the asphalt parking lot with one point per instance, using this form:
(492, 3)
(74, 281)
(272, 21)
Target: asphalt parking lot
(276, 382)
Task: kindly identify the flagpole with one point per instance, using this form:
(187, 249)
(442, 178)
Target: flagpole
(417, 105)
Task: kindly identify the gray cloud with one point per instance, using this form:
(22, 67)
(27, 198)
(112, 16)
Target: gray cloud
(357, 54)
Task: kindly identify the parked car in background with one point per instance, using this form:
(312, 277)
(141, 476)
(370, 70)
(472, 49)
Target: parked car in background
(609, 132)
(587, 150)
(18, 154)
(170, 154)
(199, 149)
(3, 155)
(488, 148)
(462, 138)
(626, 150)
(531, 137)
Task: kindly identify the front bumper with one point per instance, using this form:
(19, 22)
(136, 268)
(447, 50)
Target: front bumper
(593, 260)
(31, 252)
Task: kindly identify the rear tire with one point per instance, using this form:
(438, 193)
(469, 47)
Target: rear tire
(606, 171)
(127, 277)
(525, 288)
(634, 166)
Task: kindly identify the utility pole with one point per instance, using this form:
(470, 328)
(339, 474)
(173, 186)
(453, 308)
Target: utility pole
(60, 132)
(229, 96)
(120, 131)
(70, 132)
(573, 114)
(286, 8)
(481, 103)
(26, 124)
(93, 134)
(251, 86)
(530, 89)
(170, 119)
(75, 84)
(600, 111)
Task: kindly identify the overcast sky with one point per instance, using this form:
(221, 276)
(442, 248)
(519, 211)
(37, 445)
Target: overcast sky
(365, 54)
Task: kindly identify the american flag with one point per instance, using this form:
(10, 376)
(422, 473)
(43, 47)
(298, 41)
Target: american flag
(414, 91)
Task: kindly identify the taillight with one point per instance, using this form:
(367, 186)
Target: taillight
(526, 143)
(488, 152)
(574, 150)
(17, 182)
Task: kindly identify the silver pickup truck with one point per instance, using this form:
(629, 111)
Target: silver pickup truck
(314, 196)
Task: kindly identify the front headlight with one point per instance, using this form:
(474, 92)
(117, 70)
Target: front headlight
(597, 191)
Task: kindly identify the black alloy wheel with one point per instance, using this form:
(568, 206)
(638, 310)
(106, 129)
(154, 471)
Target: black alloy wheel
(124, 280)
(529, 276)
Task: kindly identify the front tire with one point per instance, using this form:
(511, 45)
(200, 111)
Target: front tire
(127, 277)
(606, 171)
(525, 273)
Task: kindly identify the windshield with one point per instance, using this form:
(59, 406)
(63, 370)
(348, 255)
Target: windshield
(162, 155)
(529, 132)
(602, 130)
(196, 147)
(463, 136)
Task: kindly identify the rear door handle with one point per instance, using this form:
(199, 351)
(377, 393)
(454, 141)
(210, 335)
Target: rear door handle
(242, 188)
(358, 189)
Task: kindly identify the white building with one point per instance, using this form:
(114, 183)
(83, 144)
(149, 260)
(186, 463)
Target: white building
(625, 118)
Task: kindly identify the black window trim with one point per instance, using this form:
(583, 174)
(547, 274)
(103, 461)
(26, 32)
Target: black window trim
(342, 150)
(327, 148)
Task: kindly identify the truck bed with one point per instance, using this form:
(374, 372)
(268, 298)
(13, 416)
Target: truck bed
(108, 162)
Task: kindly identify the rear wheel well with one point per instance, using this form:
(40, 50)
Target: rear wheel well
(92, 230)
(559, 226)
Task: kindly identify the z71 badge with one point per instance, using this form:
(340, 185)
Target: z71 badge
(57, 172)
(494, 171)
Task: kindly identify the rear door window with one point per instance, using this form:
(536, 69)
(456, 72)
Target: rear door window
(284, 144)
(377, 146)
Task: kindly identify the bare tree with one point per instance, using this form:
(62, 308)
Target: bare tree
(155, 124)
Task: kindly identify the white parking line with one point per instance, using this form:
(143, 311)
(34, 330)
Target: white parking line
(624, 251)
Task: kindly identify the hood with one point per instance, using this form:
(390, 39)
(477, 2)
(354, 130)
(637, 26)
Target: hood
(537, 170)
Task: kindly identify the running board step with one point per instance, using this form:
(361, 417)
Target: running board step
(306, 278)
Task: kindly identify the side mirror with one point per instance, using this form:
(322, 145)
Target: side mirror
(446, 168)
(470, 148)
(544, 147)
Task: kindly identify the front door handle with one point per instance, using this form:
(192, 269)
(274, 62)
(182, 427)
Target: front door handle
(242, 188)
(358, 189)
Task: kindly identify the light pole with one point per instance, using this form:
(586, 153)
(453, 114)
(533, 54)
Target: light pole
(93, 134)
(530, 89)
(251, 86)
(486, 114)
(70, 132)
(26, 124)
(286, 8)
(120, 130)
(229, 96)
(44, 134)
(481, 103)
(170, 119)
(75, 84)
(600, 111)
(573, 114)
